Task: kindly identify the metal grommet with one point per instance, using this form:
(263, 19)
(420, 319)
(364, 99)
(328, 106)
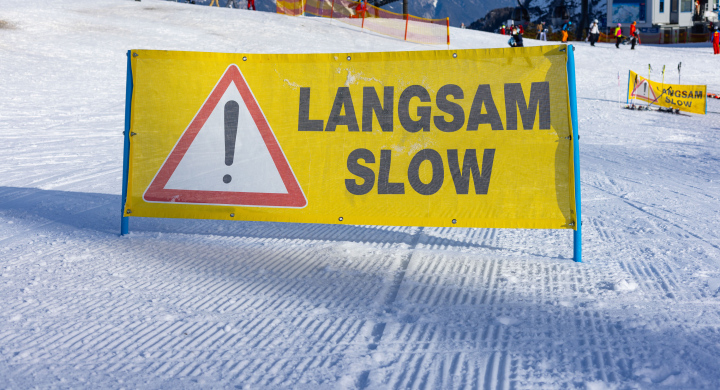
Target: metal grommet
(232, 215)
(454, 55)
(340, 219)
(244, 58)
(454, 221)
(135, 54)
(348, 58)
(128, 211)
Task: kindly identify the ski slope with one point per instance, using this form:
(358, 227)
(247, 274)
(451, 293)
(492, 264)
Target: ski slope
(216, 304)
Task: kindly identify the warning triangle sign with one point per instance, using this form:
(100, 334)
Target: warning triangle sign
(228, 155)
(644, 91)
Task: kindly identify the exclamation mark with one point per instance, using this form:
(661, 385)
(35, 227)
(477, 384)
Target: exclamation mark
(232, 110)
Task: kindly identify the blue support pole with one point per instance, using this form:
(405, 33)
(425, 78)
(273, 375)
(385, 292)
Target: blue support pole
(577, 236)
(124, 221)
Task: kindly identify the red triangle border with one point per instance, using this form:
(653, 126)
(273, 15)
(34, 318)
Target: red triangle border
(157, 193)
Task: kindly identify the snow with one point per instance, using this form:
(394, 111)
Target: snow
(217, 304)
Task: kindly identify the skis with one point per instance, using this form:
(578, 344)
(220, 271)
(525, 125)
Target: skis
(713, 95)
(639, 107)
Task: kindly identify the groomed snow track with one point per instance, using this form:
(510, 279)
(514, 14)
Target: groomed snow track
(214, 304)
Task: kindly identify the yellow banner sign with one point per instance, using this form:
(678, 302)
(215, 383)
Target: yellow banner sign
(473, 138)
(690, 98)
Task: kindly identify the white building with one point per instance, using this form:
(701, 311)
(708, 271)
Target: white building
(661, 13)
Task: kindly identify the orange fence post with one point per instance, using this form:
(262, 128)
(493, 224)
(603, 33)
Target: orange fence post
(332, 9)
(447, 20)
(407, 19)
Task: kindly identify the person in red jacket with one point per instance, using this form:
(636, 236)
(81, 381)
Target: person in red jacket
(251, 3)
(633, 35)
(502, 30)
(716, 41)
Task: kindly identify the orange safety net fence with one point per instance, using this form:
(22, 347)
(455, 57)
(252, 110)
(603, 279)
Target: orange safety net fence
(366, 16)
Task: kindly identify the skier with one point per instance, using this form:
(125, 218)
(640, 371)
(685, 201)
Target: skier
(539, 30)
(633, 35)
(594, 32)
(716, 41)
(251, 3)
(502, 30)
(618, 35)
(565, 29)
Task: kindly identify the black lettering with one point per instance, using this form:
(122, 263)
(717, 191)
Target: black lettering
(384, 185)
(304, 121)
(371, 103)
(698, 95)
(361, 171)
(342, 99)
(449, 107)
(423, 112)
(461, 176)
(684, 94)
(438, 172)
(539, 100)
(483, 96)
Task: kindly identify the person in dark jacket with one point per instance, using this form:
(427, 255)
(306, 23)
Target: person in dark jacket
(517, 35)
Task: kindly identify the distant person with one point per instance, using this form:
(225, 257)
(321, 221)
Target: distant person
(462, 25)
(716, 41)
(502, 30)
(251, 3)
(618, 35)
(543, 32)
(633, 35)
(214, 2)
(517, 36)
(521, 29)
(594, 32)
(539, 30)
(565, 30)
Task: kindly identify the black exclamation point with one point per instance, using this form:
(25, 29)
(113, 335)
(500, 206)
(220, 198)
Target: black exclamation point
(232, 110)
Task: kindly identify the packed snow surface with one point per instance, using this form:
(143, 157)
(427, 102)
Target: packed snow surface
(215, 304)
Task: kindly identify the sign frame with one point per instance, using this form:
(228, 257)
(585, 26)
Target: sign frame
(571, 80)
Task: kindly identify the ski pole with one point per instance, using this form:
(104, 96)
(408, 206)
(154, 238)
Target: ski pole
(679, 65)
(663, 80)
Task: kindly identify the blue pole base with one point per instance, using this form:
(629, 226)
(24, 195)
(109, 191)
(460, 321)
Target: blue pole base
(124, 225)
(577, 245)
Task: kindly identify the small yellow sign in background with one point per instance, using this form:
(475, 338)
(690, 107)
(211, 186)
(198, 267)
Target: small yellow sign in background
(690, 98)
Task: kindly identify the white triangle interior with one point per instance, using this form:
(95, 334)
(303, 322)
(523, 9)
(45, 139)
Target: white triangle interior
(203, 166)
